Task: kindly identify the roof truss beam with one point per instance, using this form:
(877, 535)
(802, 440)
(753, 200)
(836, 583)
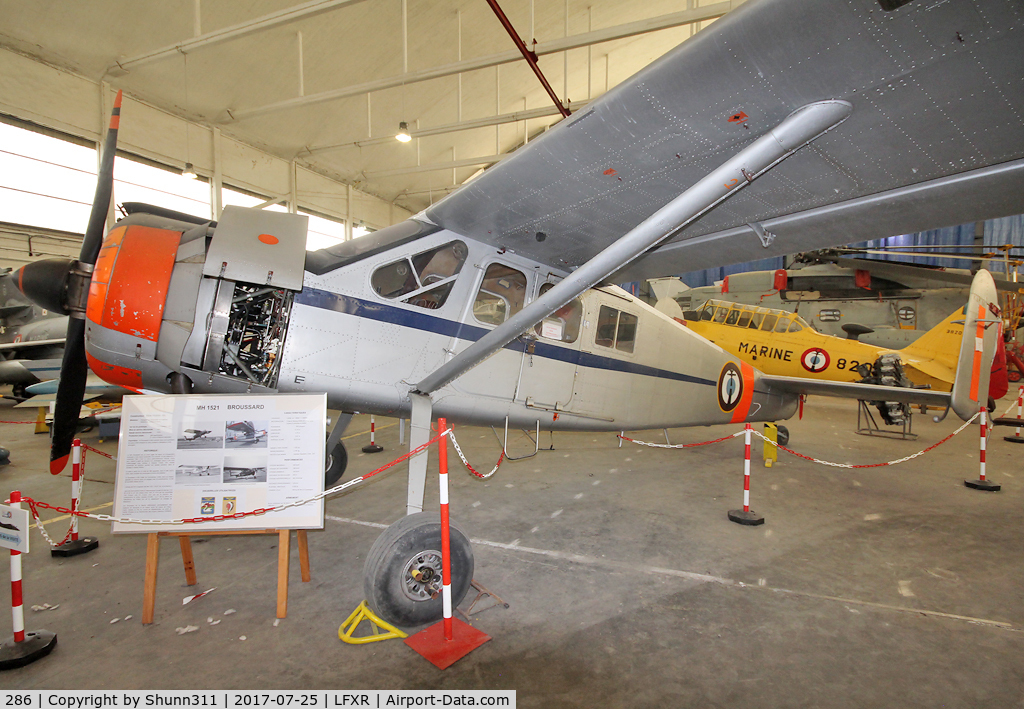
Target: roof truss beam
(259, 24)
(630, 29)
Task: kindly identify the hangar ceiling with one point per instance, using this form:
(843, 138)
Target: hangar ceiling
(327, 83)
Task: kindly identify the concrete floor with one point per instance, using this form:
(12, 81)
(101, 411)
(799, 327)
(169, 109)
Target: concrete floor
(627, 585)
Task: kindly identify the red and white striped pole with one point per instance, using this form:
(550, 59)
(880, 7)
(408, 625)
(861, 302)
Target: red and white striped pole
(17, 609)
(76, 484)
(982, 483)
(23, 648)
(1016, 437)
(446, 538)
(372, 446)
(746, 516)
(445, 642)
(75, 546)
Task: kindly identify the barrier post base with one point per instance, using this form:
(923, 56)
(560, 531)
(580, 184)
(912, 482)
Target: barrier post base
(37, 644)
(372, 448)
(442, 653)
(1014, 439)
(750, 519)
(76, 547)
(984, 485)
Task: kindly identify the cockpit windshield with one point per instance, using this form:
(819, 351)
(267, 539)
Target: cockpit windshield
(751, 317)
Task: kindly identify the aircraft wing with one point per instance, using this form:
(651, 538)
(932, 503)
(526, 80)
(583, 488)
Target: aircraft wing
(934, 138)
(852, 390)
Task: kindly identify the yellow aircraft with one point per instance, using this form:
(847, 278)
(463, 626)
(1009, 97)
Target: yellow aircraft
(782, 343)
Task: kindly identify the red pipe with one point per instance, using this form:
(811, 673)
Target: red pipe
(528, 55)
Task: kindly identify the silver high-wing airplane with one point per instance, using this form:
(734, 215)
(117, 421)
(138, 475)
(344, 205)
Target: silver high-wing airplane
(785, 126)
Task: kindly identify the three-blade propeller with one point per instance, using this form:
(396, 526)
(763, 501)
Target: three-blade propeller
(63, 285)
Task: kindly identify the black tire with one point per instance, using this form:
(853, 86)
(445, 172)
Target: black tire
(414, 544)
(334, 466)
(783, 436)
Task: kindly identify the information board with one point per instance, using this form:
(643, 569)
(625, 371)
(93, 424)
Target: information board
(14, 528)
(190, 456)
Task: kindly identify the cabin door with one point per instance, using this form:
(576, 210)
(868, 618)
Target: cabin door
(550, 356)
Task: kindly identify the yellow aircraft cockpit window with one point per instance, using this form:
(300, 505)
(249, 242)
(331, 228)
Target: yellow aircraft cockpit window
(795, 326)
(720, 314)
(744, 320)
(755, 320)
(782, 325)
(707, 313)
(769, 322)
(732, 317)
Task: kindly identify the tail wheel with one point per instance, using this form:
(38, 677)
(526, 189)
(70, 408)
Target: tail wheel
(783, 435)
(402, 574)
(334, 466)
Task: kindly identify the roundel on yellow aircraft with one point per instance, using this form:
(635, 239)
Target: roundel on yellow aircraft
(815, 360)
(730, 387)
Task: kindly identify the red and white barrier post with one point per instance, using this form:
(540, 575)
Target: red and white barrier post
(1016, 437)
(75, 546)
(372, 446)
(446, 642)
(23, 648)
(746, 516)
(982, 483)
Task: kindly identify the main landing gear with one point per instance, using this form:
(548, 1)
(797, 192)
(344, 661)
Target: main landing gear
(402, 574)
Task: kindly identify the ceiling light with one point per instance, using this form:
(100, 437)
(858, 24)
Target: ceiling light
(189, 172)
(403, 133)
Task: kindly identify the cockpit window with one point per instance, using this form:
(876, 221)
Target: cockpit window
(425, 279)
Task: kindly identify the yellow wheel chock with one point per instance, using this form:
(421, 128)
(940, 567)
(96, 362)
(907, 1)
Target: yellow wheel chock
(361, 613)
(771, 452)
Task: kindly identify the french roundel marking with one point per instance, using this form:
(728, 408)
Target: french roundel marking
(815, 360)
(730, 387)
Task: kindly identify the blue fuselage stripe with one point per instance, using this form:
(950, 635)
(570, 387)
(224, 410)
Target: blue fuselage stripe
(381, 312)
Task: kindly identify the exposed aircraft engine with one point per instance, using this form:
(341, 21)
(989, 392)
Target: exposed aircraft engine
(887, 370)
(250, 346)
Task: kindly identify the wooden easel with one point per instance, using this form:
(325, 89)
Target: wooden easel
(283, 551)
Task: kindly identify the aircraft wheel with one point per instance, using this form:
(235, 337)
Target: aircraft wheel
(334, 466)
(402, 574)
(783, 436)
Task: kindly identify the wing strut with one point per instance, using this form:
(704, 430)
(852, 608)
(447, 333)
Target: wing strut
(797, 130)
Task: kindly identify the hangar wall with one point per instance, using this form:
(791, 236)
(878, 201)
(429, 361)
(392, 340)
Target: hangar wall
(62, 100)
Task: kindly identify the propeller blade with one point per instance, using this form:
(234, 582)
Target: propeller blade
(104, 190)
(70, 394)
(74, 368)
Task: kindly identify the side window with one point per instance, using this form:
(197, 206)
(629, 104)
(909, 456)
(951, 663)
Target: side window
(501, 295)
(626, 335)
(782, 325)
(744, 319)
(720, 314)
(606, 321)
(755, 320)
(769, 322)
(795, 327)
(425, 280)
(615, 329)
(706, 313)
(563, 324)
(733, 315)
